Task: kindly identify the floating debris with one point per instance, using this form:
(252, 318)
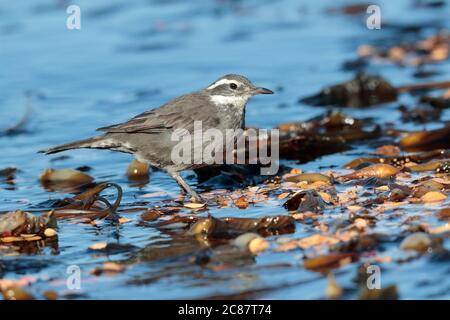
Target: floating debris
(330, 261)
(417, 241)
(17, 223)
(333, 290)
(241, 202)
(252, 242)
(387, 293)
(433, 196)
(232, 227)
(8, 173)
(364, 90)
(418, 52)
(388, 151)
(64, 179)
(195, 205)
(50, 232)
(308, 200)
(308, 242)
(327, 134)
(400, 161)
(426, 140)
(372, 171)
(138, 172)
(85, 205)
(19, 126)
(308, 177)
(16, 293)
(108, 268)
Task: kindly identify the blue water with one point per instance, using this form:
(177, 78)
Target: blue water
(130, 56)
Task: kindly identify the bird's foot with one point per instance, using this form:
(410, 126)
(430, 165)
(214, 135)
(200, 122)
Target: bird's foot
(113, 217)
(196, 198)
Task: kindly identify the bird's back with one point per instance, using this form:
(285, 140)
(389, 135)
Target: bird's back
(152, 132)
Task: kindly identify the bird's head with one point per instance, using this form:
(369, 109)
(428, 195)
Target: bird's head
(234, 89)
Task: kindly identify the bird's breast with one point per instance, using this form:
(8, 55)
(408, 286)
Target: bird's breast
(231, 116)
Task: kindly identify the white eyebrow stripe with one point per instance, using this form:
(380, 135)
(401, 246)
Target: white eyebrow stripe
(220, 82)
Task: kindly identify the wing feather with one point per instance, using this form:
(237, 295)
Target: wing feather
(178, 113)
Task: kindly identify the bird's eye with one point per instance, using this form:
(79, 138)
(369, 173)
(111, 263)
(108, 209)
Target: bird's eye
(233, 86)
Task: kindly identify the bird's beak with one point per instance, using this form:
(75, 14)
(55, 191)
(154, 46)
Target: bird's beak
(260, 90)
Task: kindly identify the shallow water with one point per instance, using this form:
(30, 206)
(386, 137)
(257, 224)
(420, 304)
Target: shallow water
(128, 58)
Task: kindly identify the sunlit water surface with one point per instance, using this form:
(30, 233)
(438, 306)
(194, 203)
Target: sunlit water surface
(131, 56)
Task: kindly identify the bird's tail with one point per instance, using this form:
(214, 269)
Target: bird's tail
(94, 142)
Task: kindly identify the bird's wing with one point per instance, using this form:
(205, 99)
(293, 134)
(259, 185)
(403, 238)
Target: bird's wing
(178, 113)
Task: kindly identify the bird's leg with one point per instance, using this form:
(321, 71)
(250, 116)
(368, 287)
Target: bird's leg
(195, 196)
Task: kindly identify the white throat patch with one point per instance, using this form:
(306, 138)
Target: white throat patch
(237, 101)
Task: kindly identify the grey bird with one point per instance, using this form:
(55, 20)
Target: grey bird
(148, 136)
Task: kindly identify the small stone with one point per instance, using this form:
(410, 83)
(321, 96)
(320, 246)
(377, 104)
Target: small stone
(49, 232)
(241, 202)
(388, 150)
(366, 50)
(112, 267)
(108, 268)
(283, 195)
(433, 196)
(137, 170)
(194, 205)
(441, 229)
(50, 295)
(124, 220)
(418, 241)
(258, 245)
(252, 241)
(16, 293)
(333, 290)
(361, 224)
(382, 188)
(354, 208)
(98, 246)
(326, 196)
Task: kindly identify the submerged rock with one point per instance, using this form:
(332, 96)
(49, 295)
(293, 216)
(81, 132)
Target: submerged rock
(418, 241)
(362, 91)
(20, 222)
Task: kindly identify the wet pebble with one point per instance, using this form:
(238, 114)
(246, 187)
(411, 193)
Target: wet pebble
(49, 232)
(433, 196)
(418, 241)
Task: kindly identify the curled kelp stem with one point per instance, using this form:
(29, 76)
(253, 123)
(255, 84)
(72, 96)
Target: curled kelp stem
(112, 215)
(86, 200)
